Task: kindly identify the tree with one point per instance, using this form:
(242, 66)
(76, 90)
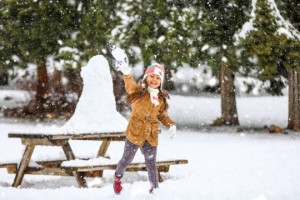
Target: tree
(273, 46)
(6, 45)
(32, 31)
(96, 21)
(157, 30)
(219, 23)
(291, 10)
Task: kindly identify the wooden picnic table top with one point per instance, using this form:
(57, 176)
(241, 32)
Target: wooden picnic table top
(114, 136)
(46, 139)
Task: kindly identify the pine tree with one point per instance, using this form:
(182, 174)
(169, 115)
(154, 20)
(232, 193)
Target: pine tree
(220, 21)
(264, 43)
(97, 20)
(31, 32)
(273, 44)
(158, 29)
(6, 45)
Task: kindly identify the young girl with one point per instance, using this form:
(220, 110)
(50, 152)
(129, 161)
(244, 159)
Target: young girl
(149, 106)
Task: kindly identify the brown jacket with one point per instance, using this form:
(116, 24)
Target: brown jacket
(144, 118)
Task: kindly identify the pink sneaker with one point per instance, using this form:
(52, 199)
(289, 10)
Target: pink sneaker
(117, 184)
(151, 191)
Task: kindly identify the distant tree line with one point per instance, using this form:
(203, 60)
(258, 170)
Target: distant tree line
(173, 33)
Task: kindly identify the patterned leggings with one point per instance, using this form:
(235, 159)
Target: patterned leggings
(149, 151)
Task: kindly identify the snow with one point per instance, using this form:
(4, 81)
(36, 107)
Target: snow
(13, 97)
(96, 109)
(223, 164)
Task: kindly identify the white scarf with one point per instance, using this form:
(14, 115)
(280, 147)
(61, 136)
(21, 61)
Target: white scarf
(153, 95)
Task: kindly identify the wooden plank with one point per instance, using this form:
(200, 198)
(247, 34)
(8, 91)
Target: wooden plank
(115, 136)
(52, 171)
(70, 156)
(54, 163)
(162, 166)
(4, 165)
(50, 163)
(35, 170)
(132, 166)
(47, 171)
(43, 142)
(10, 167)
(23, 165)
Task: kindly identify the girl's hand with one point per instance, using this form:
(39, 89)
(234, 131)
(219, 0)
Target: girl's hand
(172, 131)
(121, 60)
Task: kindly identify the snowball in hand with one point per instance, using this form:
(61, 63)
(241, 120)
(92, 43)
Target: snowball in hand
(119, 54)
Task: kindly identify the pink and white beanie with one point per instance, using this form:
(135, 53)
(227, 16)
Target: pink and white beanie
(159, 70)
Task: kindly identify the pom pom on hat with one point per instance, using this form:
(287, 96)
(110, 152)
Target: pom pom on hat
(157, 69)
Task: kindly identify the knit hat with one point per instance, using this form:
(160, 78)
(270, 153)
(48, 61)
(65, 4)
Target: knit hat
(157, 69)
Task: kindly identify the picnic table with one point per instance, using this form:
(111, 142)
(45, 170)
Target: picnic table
(55, 167)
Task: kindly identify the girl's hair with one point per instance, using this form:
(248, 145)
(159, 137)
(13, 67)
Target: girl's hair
(130, 98)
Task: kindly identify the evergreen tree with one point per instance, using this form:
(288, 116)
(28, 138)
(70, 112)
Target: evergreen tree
(220, 21)
(98, 19)
(32, 31)
(264, 43)
(158, 29)
(273, 48)
(6, 44)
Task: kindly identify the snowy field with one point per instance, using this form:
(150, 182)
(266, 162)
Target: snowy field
(223, 164)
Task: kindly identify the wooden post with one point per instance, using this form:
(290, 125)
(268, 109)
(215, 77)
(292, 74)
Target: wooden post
(70, 156)
(102, 152)
(103, 148)
(23, 165)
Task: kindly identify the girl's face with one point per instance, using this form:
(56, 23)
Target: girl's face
(153, 81)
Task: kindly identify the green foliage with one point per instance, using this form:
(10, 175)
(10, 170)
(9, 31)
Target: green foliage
(159, 29)
(266, 52)
(290, 9)
(170, 32)
(31, 30)
(96, 22)
(220, 21)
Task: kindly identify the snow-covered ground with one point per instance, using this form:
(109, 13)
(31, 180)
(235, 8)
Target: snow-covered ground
(223, 164)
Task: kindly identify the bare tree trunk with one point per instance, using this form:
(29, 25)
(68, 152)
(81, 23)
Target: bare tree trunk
(291, 118)
(294, 104)
(75, 81)
(42, 87)
(56, 94)
(119, 91)
(228, 100)
(169, 84)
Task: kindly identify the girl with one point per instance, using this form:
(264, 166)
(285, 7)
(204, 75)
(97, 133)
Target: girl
(149, 105)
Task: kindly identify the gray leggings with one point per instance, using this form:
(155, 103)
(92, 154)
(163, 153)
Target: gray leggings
(150, 160)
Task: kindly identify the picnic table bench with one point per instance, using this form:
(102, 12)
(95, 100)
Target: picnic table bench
(61, 167)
